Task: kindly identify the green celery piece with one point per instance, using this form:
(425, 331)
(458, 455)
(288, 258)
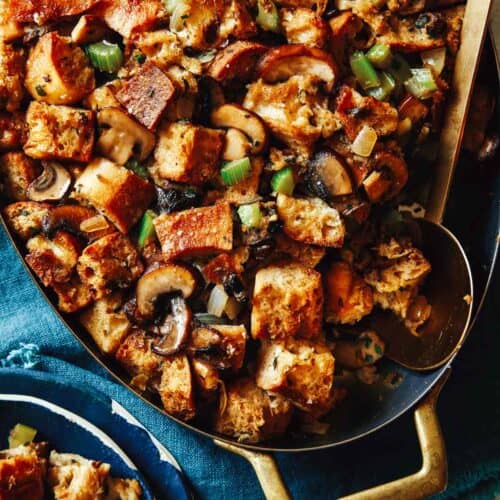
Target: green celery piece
(282, 181)
(147, 229)
(364, 71)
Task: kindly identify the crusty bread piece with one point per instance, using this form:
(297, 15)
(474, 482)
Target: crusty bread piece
(25, 218)
(12, 70)
(59, 132)
(236, 22)
(116, 191)
(287, 301)
(109, 262)
(17, 172)
(122, 489)
(251, 414)
(245, 191)
(310, 220)
(303, 25)
(309, 255)
(299, 370)
(73, 295)
(187, 153)
(197, 231)
(107, 325)
(12, 130)
(176, 387)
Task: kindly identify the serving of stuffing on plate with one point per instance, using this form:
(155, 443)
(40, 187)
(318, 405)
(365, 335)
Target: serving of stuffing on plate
(212, 187)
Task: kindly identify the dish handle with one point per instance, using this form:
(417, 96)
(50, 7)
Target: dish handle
(429, 480)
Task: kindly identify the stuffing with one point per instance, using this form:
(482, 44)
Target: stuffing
(114, 190)
(109, 262)
(147, 94)
(12, 131)
(41, 11)
(397, 268)
(10, 29)
(355, 111)
(53, 260)
(348, 298)
(75, 478)
(206, 377)
(103, 96)
(136, 356)
(250, 414)
(196, 231)
(217, 269)
(187, 153)
(309, 255)
(236, 22)
(17, 172)
(246, 190)
(58, 72)
(287, 301)
(318, 6)
(122, 489)
(12, 73)
(294, 111)
(59, 132)
(364, 350)
(310, 220)
(176, 387)
(302, 25)
(107, 324)
(25, 218)
(299, 370)
(72, 295)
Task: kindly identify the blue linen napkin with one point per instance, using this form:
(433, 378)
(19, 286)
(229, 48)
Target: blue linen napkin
(469, 408)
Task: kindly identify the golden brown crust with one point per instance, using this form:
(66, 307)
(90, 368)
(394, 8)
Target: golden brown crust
(41, 11)
(12, 130)
(21, 477)
(12, 73)
(17, 172)
(25, 218)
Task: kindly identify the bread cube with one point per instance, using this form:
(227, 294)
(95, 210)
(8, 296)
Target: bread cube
(106, 324)
(287, 302)
(108, 263)
(309, 255)
(12, 61)
(25, 218)
(311, 220)
(304, 26)
(12, 130)
(17, 172)
(187, 153)
(59, 132)
(53, 260)
(22, 475)
(236, 22)
(252, 415)
(299, 370)
(176, 387)
(246, 190)
(196, 231)
(116, 191)
(73, 295)
(39, 12)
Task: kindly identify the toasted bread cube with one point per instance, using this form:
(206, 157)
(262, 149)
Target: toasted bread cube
(25, 218)
(22, 475)
(218, 268)
(311, 221)
(236, 22)
(252, 415)
(53, 260)
(12, 131)
(147, 94)
(72, 295)
(187, 153)
(136, 356)
(309, 255)
(287, 301)
(197, 231)
(74, 477)
(59, 132)
(103, 96)
(17, 172)
(106, 324)
(176, 387)
(348, 297)
(57, 71)
(39, 12)
(246, 190)
(299, 370)
(12, 71)
(109, 262)
(123, 489)
(116, 191)
(304, 26)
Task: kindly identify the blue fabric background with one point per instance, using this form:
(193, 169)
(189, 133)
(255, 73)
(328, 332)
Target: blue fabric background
(469, 410)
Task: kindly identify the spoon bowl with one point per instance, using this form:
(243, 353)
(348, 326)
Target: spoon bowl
(449, 290)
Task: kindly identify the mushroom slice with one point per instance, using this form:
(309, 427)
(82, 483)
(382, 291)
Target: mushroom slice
(208, 344)
(237, 61)
(52, 184)
(281, 63)
(235, 116)
(168, 278)
(122, 137)
(237, 146)
(352, 207)
(327, 176)
(175, 329)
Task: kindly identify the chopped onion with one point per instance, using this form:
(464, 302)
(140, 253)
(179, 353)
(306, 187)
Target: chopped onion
(217, 301)
(434, 59)
(365, 142)
(96, 223)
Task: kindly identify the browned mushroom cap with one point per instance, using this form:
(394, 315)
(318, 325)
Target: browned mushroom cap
(235, 116)
(208, 344)
(281, 63)
(52, 184)
(174, 330)
(168, 278)
(238, 145)
(122, 137)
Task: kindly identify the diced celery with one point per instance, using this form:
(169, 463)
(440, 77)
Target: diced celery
(380, 56)
(387, 85)
(422, 84)
(20, 435)
(364, 71)
(250, 215)
(267, 16)
(147, 230)
(282, 181)
(235, 171)
(105, 56)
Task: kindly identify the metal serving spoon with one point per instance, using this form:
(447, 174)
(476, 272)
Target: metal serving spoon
(449, 289)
